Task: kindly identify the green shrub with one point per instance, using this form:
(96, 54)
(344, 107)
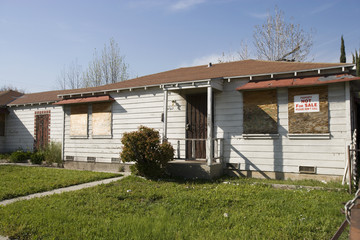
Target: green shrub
(5, 156)
(37, 158)
(52, 153)
(143, 147)
(20, 156)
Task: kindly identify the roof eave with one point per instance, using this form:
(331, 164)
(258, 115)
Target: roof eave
(295, 72)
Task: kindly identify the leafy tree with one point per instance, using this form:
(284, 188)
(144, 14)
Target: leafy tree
(342, 50)
(356, 61)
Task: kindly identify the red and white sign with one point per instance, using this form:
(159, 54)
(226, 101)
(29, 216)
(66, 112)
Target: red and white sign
(306, 103)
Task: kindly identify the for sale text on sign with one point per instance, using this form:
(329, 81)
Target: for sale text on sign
(306, 103)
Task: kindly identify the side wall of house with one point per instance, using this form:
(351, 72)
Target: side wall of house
(2, 144)
(19, 130)
(281, 154)
(129, 110)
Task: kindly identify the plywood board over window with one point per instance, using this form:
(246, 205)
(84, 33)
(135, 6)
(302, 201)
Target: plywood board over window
(101, 119)
(79, 120)
(314, 117)
(260, 112)
(2, 124)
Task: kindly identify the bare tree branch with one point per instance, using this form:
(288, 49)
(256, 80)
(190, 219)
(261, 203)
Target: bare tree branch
(275, 39)
(70, 76)
(109, 67)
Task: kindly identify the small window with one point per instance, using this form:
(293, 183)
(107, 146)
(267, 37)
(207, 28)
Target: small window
(2, 124)
(260, 112)
(308, 110)
(101, 119)
(79, 120)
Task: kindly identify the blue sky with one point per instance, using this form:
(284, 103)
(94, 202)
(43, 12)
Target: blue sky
(39, 37)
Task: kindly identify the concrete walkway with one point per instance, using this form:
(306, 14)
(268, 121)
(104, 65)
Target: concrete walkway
(61, 190)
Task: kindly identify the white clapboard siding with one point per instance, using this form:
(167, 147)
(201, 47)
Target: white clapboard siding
(20, 126)
(145, 107)
(281, 154)
(129, 111)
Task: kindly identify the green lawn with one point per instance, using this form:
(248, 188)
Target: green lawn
(134, 208)
(19, 181)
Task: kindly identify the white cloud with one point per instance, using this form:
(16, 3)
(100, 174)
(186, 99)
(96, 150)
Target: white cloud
(185, 4)
(204, 60)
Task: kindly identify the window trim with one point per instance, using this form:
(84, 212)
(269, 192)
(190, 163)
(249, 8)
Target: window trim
(260, 136)
(109, 136)
(87, 124)
(309, 136)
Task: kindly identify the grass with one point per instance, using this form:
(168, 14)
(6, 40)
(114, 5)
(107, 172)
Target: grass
(304, 182)
(135, 208)
(19, 181)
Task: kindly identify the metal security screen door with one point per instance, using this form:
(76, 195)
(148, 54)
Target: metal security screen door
(196, 126)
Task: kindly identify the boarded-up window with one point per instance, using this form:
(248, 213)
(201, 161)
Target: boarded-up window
(101, 119)
(308, 110)
(2, 124)
(79, 120)
(260, 112)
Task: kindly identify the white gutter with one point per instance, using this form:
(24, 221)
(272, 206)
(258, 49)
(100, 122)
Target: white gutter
(30, 104)
(129, 88)
(295, 72)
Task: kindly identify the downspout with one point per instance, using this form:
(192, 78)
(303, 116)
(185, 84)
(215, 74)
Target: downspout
(165, 115)
(348, 129)
(63, 136)
(209, 140)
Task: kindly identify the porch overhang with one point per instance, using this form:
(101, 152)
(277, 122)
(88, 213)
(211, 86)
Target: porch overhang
(296, 82)
(105, 98)
(216, 84)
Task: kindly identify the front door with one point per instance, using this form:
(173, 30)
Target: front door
(41, 130)
(196, 126)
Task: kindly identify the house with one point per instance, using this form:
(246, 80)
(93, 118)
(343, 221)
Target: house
(253, 118)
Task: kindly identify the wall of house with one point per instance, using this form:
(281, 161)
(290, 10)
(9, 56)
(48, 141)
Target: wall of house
(20, 126)
(130, 110)
(282, 154)
(2, 144)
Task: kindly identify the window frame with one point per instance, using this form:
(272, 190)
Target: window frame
(268, 106)
(110, 119)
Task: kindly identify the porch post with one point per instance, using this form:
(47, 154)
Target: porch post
(165, 115)
(209, 142)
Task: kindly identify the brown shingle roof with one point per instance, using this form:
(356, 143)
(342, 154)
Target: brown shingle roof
(8, 96)
(231, 69)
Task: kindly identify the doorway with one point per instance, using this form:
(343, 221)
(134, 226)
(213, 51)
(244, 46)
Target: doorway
(196, 125)
(42, 131)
